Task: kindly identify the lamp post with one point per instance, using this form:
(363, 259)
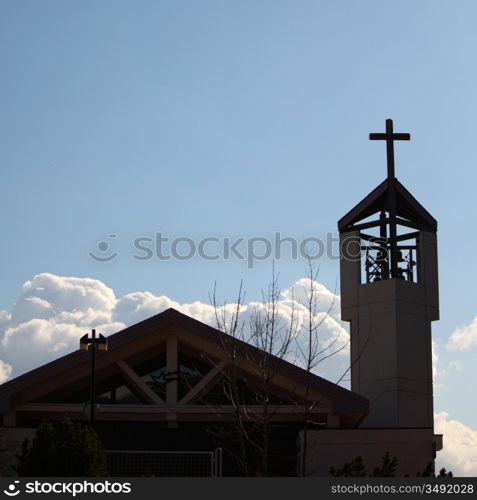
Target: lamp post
(90, 343)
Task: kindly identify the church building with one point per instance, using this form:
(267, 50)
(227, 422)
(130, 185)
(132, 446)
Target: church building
(174, 396)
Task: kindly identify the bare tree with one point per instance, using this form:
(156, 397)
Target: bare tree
(310, 349)
(273, 338)
(230, 324)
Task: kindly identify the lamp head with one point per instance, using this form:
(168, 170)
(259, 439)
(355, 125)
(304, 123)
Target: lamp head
(103, 347)
(84, 343)
(102, 343)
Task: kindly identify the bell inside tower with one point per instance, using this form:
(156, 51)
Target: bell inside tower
(378, 250)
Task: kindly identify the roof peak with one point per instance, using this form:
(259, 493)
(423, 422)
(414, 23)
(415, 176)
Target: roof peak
(378, 200)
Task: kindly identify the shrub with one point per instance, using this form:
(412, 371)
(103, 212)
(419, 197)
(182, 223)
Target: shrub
(63, 448)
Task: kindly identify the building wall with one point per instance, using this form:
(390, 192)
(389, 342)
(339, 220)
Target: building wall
(391, 346)
(333, 447)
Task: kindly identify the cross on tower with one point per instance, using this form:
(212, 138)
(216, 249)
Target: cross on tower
(389, 137)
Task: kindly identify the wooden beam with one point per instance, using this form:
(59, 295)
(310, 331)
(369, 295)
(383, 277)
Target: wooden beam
(204, 385)
(280, 382)
(136, 381)
(172, 363)
(160, 413)
(157, 409)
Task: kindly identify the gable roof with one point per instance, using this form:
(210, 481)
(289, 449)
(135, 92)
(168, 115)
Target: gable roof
(407, 207)
(343, 400)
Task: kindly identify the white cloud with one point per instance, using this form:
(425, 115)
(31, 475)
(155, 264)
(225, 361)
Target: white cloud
(5, 317)
(50, 316)
(53, 312)
(439, 372)
(137, 306)
(459, 454)
(463, 337)
(38, 341)
(59, 293)
(5, 371)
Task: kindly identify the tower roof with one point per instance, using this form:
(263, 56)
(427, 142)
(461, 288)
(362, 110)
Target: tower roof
(408, 209)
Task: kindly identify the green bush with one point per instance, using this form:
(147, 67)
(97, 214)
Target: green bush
(63, 448)
(356, 468)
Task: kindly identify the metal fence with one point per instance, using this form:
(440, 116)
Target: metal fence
(130, 463)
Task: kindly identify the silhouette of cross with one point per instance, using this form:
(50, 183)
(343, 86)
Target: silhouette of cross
(390, 137)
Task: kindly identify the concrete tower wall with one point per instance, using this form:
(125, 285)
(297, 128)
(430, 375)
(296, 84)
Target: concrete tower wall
(391, 351)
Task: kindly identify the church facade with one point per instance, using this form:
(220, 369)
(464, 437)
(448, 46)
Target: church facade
(163, 384)
(173, 384)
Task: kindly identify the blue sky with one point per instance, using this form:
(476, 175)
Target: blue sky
(232, 119)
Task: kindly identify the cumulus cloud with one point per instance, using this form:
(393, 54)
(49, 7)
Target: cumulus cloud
(50, 315)
(460, 446)
(5, 371)
(463, 337)
(53, 312)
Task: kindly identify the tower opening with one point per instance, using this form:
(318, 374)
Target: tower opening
(376, 254)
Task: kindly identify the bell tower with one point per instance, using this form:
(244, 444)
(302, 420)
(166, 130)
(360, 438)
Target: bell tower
(389, 294)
